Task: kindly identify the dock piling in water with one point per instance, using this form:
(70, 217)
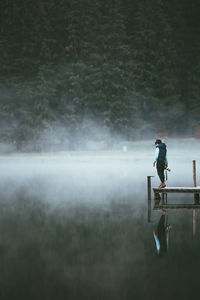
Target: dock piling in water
(196, 199)
(149, 197)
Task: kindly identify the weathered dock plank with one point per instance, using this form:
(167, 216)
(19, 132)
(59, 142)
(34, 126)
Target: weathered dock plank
(177, 190)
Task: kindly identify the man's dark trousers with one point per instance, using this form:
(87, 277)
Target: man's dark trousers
(160, 169)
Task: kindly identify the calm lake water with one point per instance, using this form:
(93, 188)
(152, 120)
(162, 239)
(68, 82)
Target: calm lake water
(74, 226)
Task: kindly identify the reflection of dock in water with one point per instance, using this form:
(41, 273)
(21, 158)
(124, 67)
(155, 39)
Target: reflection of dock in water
(177, 206)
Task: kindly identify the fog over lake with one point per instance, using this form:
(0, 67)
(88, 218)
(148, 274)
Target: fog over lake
(73, 225)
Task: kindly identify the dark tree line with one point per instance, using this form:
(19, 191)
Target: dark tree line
(129, 66)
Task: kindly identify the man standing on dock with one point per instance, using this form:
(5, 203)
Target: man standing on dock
(161, 161)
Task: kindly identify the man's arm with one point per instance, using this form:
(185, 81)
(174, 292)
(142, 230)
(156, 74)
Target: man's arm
(156, 156)
(166, 160)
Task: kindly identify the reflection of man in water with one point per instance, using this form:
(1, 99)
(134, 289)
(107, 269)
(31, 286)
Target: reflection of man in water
(161, 161)
(161, 236)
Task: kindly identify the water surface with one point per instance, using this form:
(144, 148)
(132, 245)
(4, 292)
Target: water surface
(74, 225)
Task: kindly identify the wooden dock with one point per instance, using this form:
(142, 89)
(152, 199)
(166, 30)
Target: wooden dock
(160, 200)
(160, 197)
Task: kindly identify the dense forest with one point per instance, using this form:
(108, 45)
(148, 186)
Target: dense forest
(79, 70)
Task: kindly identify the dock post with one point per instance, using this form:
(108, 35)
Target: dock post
(196, 199)
(194, 173)
(163, 198)
(149, 197)
(194, 222)
(196, 196)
